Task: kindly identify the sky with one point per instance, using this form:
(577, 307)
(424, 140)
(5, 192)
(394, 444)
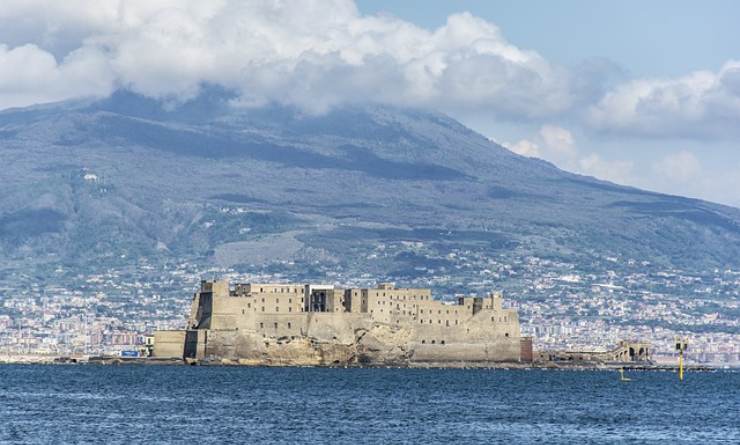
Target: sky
(639, 93)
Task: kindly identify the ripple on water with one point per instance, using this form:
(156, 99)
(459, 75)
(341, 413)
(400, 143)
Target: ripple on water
(66, 404)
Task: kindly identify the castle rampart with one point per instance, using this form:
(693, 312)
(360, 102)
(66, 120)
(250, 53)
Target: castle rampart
(327, 325)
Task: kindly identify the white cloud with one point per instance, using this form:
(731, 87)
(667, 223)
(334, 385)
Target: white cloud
(31, 75)
(524, 148)
(700, 104)
(557, 145)
(558, 139)
(551, 142)
(313, 54)
(618, 171)
(681, 166)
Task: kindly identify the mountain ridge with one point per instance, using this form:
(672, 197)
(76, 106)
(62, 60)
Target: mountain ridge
(126, 176)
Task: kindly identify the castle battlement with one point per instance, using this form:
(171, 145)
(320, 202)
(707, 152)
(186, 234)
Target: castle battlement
(407, 320)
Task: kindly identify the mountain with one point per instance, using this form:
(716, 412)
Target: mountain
(90, 183)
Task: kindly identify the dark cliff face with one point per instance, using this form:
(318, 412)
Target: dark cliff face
(89, 182)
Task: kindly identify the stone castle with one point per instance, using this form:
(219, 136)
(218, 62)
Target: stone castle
(292, 324)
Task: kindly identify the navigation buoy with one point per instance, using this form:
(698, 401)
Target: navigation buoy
(681, 345)
(622, 378)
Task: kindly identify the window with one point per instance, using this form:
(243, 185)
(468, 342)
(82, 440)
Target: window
(442, 342)
(277, 309)
(433, 341)
(262, 325)
(288, 325)
(263, 309)
(242, 311)
(277, 301)
(261, 290)
(290, 309)
(423, 341)
(275, 325)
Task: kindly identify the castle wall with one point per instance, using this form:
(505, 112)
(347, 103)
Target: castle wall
(380, 325)
(493, 351)
(169, 344)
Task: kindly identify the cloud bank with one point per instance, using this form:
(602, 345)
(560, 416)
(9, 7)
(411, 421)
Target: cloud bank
(701, 104)
(312, 54)
(318, 54)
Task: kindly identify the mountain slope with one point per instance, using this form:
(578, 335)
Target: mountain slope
(89, 182)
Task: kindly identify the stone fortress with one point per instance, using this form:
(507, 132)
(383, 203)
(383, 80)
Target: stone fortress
(292, 324)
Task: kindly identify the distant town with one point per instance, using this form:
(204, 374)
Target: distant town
(113, 309)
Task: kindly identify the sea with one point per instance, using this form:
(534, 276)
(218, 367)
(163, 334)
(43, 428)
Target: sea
(242, 405)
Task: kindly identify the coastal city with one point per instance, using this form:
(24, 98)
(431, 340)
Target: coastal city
(113, 310)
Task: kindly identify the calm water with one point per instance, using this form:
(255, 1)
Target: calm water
(68, 404)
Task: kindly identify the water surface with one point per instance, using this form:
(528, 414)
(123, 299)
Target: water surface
(176, 404)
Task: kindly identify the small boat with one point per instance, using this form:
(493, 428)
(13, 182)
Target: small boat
(622, 378)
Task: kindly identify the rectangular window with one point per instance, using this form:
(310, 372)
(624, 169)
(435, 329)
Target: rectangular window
(288, 325)
(276, 325)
